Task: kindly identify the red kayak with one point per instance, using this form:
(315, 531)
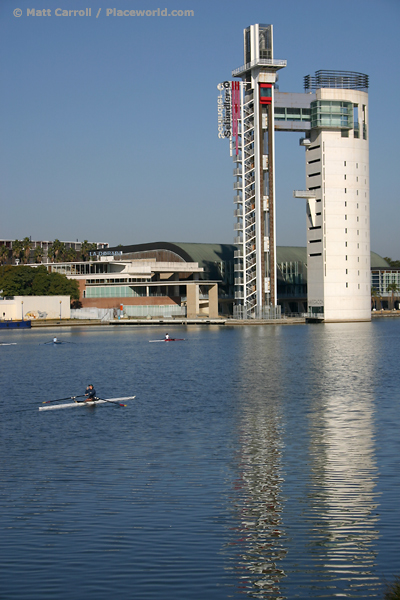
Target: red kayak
(169, 340)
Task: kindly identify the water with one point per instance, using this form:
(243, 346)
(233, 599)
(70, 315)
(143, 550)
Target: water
(259, 461)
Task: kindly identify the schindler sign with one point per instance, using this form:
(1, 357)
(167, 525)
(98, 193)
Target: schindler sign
(224, 110)
(228, 110)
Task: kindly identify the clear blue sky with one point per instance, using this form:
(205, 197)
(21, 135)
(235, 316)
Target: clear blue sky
(108, 126)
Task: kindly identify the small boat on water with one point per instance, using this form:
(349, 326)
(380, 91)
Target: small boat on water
(15, 324)
(115, 401)
(169, 340)
(56, 341)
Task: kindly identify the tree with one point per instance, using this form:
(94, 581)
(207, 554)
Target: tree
(38, 254)
(71, 255)
(17, 250)
(26, 246)
(374, 296)
(36, 281)
(392, 263)
(86, 248)
(56, 251)
(394, 288)
(4, 252)
(393, 590)
(16, 281)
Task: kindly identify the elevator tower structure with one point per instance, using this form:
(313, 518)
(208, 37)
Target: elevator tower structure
(254, 185)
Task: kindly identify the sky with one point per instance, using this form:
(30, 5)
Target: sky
(108, 125)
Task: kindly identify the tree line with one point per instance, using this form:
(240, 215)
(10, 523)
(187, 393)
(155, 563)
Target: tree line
(393, 263)
(35, 281)
(58, 252)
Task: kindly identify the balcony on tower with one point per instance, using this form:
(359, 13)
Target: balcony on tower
(258, 51)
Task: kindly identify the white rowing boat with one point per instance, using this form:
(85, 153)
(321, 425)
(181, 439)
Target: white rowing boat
(94, 403)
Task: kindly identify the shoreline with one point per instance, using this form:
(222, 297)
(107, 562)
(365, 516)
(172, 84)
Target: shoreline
(199, 321)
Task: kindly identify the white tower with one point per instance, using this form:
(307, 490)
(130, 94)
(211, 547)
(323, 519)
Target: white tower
(337, 175)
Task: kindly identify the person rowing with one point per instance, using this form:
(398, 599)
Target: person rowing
(90, 394)
(166, 336)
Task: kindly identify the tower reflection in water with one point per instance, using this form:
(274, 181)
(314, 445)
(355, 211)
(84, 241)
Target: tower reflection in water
(305, 499)
(343, 499)
(257, 500)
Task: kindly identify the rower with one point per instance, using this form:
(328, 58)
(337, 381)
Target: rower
(166, 336)
(90, 393)
(55, 340)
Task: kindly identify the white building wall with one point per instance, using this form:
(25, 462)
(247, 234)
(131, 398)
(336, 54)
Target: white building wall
(35, 307)
(339, 279)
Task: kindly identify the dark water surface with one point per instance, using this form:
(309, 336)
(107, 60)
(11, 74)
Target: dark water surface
(259, 461)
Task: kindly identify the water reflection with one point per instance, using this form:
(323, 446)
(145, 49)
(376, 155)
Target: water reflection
(258, 504)
(343, 499)
(305, 498)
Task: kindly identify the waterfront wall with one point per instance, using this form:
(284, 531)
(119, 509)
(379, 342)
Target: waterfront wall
(35, 307)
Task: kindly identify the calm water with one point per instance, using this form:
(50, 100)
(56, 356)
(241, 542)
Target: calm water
(258, 461)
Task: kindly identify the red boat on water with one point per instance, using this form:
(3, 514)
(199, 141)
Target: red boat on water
(169, 340)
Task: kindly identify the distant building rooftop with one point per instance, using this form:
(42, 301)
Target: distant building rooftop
(210, 256)
(349, 80)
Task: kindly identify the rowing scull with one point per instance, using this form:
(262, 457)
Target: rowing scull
(94, 403)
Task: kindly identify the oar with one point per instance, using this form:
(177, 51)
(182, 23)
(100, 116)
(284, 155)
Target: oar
(115, 403)
(59, 399)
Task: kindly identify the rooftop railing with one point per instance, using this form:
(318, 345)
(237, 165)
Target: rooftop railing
(260, 62)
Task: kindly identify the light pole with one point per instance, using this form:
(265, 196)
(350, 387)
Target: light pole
(22, 309)
(60, 309)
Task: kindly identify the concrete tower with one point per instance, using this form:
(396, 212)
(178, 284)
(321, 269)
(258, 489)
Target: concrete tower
(337, 175)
